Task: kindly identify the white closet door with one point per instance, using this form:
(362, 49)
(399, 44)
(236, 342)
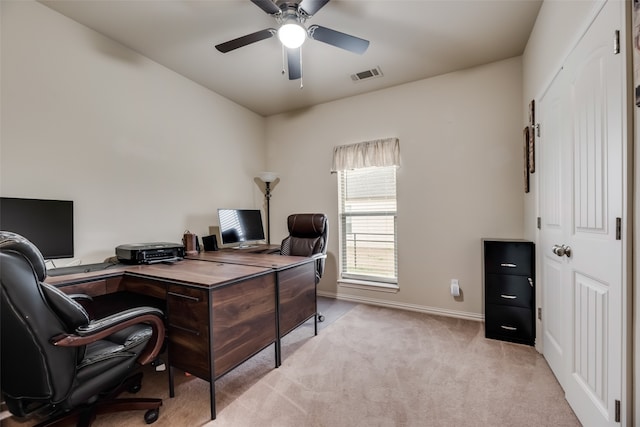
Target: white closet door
(581, 199)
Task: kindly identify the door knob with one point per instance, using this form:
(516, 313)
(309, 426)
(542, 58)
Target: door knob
(561, 250)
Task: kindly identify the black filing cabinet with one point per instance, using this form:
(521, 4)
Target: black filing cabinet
(509, 290)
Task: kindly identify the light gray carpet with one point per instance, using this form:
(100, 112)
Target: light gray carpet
(373, 367)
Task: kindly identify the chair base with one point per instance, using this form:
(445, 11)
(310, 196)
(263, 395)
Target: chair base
(83, 416)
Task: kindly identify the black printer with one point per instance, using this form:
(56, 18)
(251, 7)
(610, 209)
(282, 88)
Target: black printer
(149, 253)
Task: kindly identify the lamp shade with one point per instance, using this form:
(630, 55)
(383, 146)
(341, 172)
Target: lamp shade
(268, 176)
(292, 34)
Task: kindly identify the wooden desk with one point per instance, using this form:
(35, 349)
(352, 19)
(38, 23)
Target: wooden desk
(295, 283)
(219, 314)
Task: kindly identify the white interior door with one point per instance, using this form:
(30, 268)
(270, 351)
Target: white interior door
(553, 114)
(582, 150)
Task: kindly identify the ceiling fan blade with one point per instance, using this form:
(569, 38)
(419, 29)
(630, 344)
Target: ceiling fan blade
(245, 40)
(338, 39)
(310, 7)
(293, 63)
(267, 5)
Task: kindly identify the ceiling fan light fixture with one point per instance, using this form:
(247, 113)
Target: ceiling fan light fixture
(292, 35)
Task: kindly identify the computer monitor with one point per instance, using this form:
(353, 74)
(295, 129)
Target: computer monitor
(240, 226)
(48, 224)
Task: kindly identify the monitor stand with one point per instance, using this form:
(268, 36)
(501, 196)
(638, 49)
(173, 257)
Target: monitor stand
(244, 246)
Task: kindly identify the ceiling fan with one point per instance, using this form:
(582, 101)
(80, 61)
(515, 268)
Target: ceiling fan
(291, 16)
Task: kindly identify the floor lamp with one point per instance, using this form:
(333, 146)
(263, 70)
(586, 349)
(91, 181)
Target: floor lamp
(268, 178)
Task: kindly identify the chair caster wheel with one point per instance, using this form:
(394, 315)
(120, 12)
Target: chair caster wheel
(320, 318)
(151, 416)
(135, 388)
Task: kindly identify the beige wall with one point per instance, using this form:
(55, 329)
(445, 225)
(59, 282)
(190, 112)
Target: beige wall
(143, 152)
(460, 179)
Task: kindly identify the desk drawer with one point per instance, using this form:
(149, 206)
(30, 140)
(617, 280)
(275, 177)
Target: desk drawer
(508, 258)
(188, 310)
(188, 329)
(509, 290)
(148, 287)
(509, 323)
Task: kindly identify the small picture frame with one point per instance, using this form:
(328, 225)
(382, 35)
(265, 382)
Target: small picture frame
(525, 150)
(532, 112)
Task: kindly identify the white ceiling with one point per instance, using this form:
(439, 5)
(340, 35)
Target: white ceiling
(409, 40)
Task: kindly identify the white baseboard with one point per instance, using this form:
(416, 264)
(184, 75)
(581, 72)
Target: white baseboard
(404, 306)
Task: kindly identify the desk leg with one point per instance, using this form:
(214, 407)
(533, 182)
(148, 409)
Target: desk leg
(277, 344)
(172, 391)
(212, 398)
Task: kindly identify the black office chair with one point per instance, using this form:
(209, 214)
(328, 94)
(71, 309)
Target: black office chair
(308, 234)
(58, 364)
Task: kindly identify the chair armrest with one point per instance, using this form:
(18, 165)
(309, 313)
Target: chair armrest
(80, 297)
(98, 325)
(99, 329)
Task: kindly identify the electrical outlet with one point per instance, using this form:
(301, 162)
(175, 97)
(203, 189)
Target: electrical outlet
(455, 288)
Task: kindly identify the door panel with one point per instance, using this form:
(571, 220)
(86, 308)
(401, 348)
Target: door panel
(583, 152)
(591, 335)
(596, 80)
(553, 319)
(552, 109)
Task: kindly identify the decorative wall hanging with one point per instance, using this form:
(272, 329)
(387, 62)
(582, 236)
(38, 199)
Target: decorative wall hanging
(525, 150)
(532, 137)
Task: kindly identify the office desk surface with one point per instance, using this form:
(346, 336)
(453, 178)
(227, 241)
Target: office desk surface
(193, 272)
(274, 261)
(85, 277)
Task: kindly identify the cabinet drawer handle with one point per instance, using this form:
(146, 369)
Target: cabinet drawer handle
(509, 328)
(508, 296)
(530, 281)
(173, 294)
(507, 264)
(182, 328)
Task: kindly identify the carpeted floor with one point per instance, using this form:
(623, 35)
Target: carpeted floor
(372, 366)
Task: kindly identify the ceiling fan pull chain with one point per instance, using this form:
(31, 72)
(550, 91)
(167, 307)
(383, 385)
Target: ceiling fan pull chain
(301, 85)
(283, 71)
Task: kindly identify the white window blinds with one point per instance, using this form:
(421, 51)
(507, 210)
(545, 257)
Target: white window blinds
(367, 210)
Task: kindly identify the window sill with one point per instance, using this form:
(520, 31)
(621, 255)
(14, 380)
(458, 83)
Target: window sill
(368, 285)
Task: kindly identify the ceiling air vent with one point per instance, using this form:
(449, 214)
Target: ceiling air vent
(368, 74)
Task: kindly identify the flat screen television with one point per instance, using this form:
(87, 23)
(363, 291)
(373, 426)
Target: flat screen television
(240, 226)
(48, 224)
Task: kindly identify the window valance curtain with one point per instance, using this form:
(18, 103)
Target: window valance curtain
(380, 152)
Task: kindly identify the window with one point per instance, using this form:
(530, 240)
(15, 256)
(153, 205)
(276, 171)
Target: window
(368, 224)
(367, 210)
